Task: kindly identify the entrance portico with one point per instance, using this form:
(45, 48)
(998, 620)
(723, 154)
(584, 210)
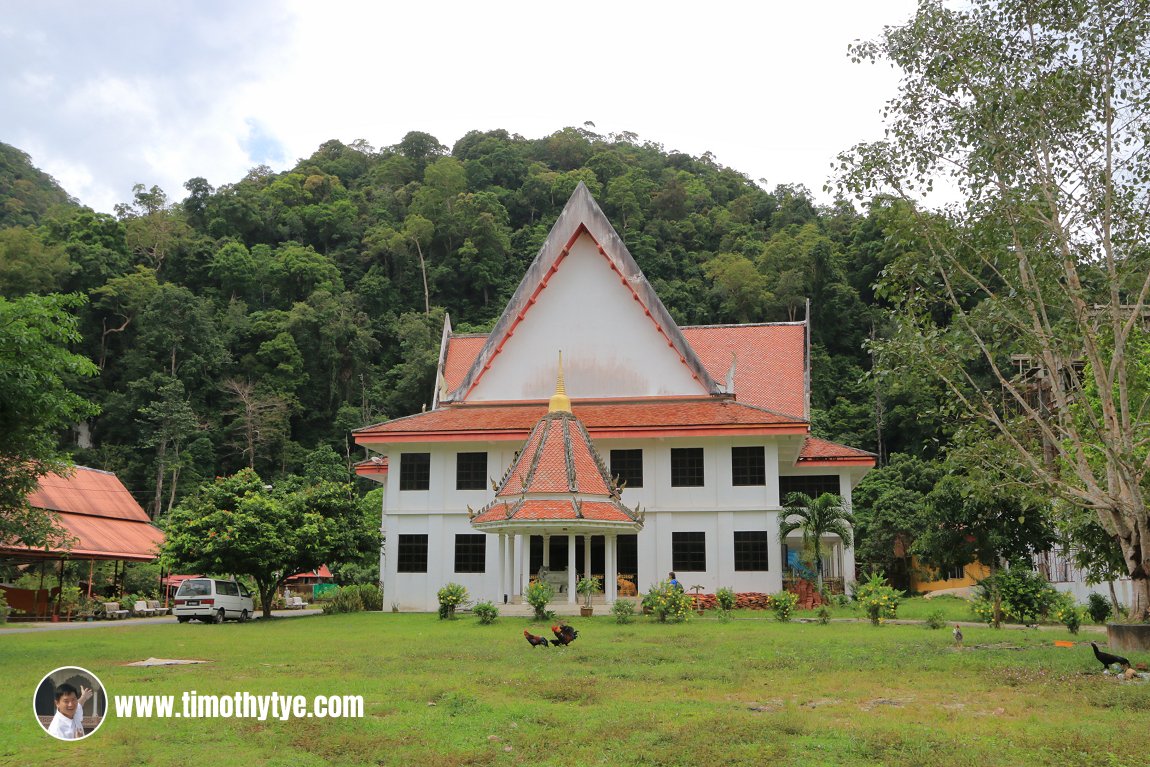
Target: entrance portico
(557, 486)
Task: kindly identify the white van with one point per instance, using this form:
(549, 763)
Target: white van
(212, 601)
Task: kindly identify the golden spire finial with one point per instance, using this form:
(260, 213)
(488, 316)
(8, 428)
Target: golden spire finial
(559, 400)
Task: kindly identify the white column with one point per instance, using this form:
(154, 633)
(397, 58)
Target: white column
(610, 568)
(546, 551)
(848, 558)
(586, 556)
(517, 577)
(511, 567)
(502, 566)
(571, 569)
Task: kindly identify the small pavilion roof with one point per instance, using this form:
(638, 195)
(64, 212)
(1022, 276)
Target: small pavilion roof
(558, 481)
(101, 518)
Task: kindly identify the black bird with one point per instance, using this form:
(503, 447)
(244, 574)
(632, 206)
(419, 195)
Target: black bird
(1106, 659)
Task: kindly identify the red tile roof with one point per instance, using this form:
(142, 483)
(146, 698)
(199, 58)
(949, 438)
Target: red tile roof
(461, 353)
(322, 572)
(648, 417)
(557, 459)
(770, 368)
(551, 509)
(815, 450)
(87, 491)
(100, 516)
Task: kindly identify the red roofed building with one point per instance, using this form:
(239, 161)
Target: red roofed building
(705, 429)
(100, 517)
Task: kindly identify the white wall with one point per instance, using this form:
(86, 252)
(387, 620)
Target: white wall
(610, 346)
(717, 509)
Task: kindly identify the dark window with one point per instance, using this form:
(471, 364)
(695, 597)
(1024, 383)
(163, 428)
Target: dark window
(748, 466)
(751, 549)
(414, 471)
(814, 485)
(470, 553)
(686, 467)
(689, 552)
(470, 472)
(411, 553)
(627, 467)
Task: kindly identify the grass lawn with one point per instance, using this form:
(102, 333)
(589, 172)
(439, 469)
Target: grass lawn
(748, 692)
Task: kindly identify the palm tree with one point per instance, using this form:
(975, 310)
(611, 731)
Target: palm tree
(826, 514)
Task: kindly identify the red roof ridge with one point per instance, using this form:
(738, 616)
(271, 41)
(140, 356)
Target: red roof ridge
(788, 323)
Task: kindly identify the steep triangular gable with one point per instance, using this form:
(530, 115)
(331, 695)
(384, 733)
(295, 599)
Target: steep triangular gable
(585, 295)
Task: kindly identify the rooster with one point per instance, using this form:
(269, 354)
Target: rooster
(1106, 659)
(957, 635)
(564, 635)
(534, 640)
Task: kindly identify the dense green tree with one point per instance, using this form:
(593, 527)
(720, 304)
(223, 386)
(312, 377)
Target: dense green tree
(27, 265)
(38, 400)
(240, 525)
(889, 505)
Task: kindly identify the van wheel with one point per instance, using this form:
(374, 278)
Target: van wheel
(183, 619)
(220, 616)
(244, 616)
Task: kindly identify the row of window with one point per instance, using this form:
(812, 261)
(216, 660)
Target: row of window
(688, 552)
(748, 469)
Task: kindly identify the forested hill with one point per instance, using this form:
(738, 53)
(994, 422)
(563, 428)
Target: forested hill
(253, 323)
(26, 192)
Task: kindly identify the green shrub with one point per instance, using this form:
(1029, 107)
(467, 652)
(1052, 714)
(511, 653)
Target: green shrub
(623, 610)
(935, 620)
(783, 605)
(1098, 607)
(344, 600)
(371, 596)
(824, 615)
(1026, 596)
(4, 609)
(879, 602)
(539, 594)
(1067, 612)
(725, 598)
(486, 612)
(450, 597)
(983, 610)
(667, 601)
(724, 616)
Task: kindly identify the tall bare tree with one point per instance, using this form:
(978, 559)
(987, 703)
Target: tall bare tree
(1029, 297)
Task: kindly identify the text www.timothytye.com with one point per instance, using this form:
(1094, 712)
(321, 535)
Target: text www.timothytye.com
(240, 705)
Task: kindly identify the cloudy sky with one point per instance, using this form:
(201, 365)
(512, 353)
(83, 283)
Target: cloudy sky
(107, 94)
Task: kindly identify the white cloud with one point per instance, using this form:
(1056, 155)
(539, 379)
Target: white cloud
(167, 92)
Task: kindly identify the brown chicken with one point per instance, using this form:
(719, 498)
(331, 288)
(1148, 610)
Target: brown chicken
(564, 635)
(534, 640)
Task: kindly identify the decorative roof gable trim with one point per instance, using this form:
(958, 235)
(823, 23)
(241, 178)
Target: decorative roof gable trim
(581, 215)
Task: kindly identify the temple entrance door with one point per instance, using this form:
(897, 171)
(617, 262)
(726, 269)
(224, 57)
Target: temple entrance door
(628, 556)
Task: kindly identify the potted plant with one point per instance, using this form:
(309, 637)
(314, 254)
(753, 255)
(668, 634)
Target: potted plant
(587, 587)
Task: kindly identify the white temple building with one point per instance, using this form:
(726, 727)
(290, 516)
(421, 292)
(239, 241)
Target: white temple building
(662, 449)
